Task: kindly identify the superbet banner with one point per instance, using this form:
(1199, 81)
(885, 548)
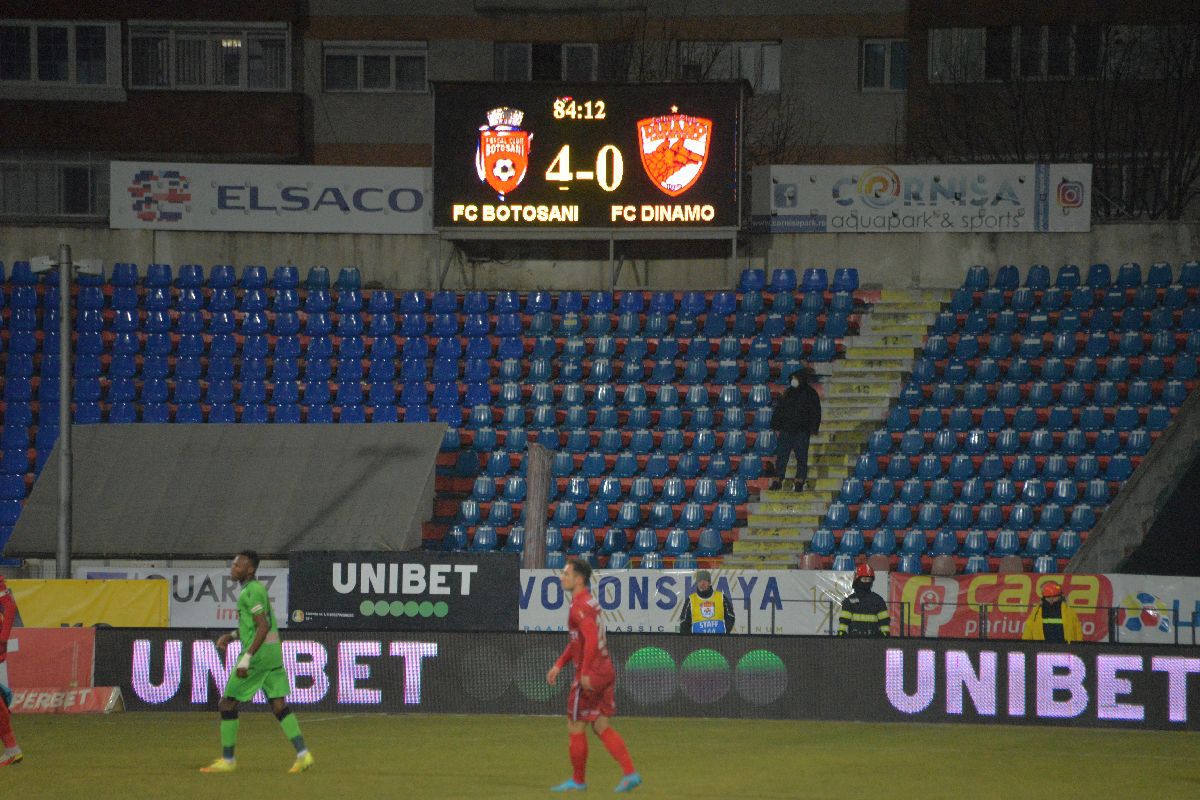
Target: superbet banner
(586, 156)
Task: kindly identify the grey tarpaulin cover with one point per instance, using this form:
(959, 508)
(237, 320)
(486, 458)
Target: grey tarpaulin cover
(211, 490)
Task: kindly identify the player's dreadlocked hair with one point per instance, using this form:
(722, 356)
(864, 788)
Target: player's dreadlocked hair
(582, 568)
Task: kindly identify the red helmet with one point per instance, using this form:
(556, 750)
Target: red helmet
(864, 571)
(1052, 589)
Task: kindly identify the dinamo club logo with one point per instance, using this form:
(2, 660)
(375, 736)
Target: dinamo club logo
(502, 157)
(674, 149)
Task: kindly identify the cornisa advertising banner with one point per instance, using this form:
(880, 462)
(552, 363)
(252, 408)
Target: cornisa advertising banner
(202, 597)
(1144, 608)
(413, 590)
(922, 198)
(269, 198)
(796, 602)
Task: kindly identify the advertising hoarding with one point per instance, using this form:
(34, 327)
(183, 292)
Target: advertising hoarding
(269, 198)
(922, 198)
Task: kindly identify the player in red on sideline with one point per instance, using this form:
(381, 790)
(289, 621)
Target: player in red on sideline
(11, 753)
(592, 695)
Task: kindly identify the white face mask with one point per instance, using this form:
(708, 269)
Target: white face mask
(795, 383)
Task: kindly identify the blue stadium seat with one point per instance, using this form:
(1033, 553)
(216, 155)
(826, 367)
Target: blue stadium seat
(822, 542)
(945, 543)
(1067, 544)
(1007, 543)
(1083, 518)
(882, 490)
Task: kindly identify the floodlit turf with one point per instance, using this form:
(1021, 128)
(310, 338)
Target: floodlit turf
(426, 756)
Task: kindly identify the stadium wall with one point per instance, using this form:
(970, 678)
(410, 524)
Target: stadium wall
(673, 676)
(415, 262)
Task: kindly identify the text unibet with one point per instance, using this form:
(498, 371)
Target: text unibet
(393, 578)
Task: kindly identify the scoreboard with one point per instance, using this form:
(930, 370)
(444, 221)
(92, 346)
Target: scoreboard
(586, 156)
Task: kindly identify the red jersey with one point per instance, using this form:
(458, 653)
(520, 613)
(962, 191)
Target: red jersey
(8, 616)
(588, 648)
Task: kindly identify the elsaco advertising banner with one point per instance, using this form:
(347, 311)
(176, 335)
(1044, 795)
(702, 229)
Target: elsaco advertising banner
(796, 602)
(202, 597)
(415, 590)
(66, 603)
(922, 198)
(269, 198)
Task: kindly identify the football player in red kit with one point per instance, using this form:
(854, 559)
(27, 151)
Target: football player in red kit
(591, 699)
(10, 753)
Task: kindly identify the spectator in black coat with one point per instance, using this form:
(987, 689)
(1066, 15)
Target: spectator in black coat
(795, 418)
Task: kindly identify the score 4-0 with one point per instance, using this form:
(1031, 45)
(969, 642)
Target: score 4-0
(610, 168)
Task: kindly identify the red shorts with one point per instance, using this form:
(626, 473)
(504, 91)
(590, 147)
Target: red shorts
(585, 706)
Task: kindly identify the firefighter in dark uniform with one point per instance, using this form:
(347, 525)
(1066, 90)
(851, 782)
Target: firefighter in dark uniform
(706, 610)
(864, 613)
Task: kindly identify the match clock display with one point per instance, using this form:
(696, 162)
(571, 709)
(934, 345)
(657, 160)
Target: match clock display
(546, 156)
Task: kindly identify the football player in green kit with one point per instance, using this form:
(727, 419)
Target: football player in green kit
(259, 667)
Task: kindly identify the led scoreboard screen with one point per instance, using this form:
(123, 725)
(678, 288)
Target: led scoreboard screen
(590, 155)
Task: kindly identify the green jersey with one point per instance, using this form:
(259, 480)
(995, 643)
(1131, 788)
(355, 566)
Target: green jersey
(253, 600)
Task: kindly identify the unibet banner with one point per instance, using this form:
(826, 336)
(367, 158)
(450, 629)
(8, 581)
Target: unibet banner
(117, 604)
(780, 677)
(922, 198)
(798, 602)
(269, 197)
(415, 590)
(202, 597)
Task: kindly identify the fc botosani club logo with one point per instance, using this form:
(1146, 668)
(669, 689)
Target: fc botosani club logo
(674, 149)
(502, 157)
(160, 197)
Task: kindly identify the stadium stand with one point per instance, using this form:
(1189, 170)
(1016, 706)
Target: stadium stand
(1005, 436)
(655, 403)
(1029, 408)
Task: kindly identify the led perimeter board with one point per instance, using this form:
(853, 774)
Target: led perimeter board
(586, 156)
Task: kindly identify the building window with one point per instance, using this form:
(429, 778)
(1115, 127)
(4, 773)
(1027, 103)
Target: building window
(545, 61)
(756, 62)
(375, 67)
(1040, 52)
(956, 55)
(32, 189)
(60, 54)
(206, 57)
(885, 65)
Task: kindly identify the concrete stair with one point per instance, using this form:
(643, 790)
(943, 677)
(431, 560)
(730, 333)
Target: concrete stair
(858, 391)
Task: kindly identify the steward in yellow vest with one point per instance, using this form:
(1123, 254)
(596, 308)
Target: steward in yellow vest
(706, 610)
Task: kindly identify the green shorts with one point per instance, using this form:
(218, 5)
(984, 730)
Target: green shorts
(273, 680)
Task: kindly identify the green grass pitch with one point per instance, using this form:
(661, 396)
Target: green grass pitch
(436, 756)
